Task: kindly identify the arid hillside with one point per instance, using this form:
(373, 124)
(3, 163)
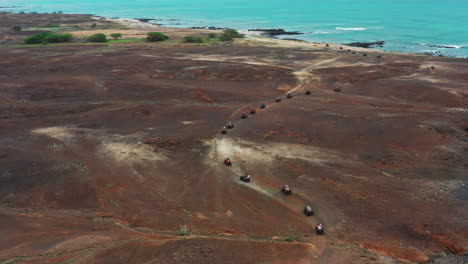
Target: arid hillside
(113, 153)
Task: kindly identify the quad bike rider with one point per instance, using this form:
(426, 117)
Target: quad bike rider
(289, 96)
(278, 99)
(244, 115)
(263, 106)
(286, 190)
(224, 130)
(319, 229)
(230, 125)
(308, 211)
(253, 111)
(245, 178)
(307, 92)
(227, 161)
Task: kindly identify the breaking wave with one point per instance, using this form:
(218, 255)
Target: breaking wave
(442, 46)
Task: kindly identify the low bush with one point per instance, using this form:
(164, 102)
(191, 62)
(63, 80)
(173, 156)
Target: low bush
(47, 37)
(156, 36)
(230, 34)
(57, 38)
(99, 37)
(211, 35)
(116, 35)
(52, 25)
(36, 39)
(183, 230)
(94, 25)
(192, 39)
(16, 28)
(291, 235)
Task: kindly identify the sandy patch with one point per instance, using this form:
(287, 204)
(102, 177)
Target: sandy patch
(119, 148)
(229, 213)
(269, 153)
(62, 133)
(263, 155)
(82, 241)
(200, 215)
(187, 122)
(129, 152)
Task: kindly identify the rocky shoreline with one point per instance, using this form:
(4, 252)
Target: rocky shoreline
(367, 45)
(273, 32)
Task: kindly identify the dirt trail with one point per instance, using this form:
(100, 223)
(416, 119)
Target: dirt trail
(223, 147)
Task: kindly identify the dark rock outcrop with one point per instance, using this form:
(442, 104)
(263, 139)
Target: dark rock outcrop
(433, 53)
(293, 39)
(210, 28)
(367, 45)
(271, 32)
(145, 20)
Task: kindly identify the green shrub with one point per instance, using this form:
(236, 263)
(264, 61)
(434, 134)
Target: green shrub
(291, 235)
(183, 230)
(99, 37)
(47, 37)
(116, 35)
(211, 35)
(156, 36)
(230, 34)
(16, 28)
(94, 25)
(52, 25)
(37, 38)
(57, 38)
(192, 39)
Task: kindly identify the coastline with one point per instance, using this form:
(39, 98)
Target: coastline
(259, 37)
(257, 32)
(142, 26)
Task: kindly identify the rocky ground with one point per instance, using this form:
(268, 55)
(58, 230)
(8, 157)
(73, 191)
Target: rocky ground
(112, 153)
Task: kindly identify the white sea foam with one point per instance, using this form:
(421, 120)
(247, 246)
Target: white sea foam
(450, 46)
(442, 46)
(320, 32)
(352, 29)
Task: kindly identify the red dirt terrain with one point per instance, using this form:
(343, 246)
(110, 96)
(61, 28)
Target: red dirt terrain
(113, 154)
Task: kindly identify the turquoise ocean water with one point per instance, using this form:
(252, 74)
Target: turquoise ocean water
(405, 25)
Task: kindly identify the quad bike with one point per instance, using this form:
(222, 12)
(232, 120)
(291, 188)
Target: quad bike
(308, 211)
(227, 162)
(230, 125)
(289, 96)
(245, 178)
(224, 130)
(244, 116)
(263, 106)
(278, 100)
(252, 112)
(286, 190)
(307, 92)
(319, 229)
